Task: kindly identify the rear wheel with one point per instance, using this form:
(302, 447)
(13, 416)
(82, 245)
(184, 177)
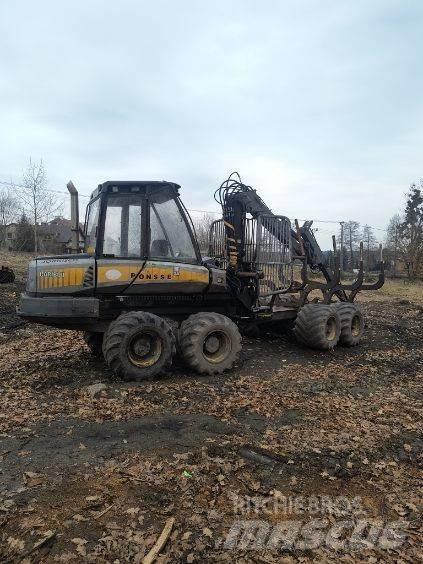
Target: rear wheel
(318, 326)
(209, 342)
(352, 324)
(138, 345)
(94, 342)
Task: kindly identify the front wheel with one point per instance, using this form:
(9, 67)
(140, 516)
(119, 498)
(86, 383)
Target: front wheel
(209, 342)
(138, 345)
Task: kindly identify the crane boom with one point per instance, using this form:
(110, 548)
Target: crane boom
(248, 221)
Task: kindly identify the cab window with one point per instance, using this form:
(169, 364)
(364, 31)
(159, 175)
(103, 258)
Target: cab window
(122, 226)
(91, 225)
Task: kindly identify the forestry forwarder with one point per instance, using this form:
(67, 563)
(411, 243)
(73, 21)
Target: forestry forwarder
(141, 290)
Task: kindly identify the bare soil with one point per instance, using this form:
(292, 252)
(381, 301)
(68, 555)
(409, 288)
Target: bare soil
(96, 478)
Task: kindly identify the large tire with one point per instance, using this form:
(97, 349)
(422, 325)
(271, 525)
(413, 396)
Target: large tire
(318, 326)
(352, 324)
(94, 342)
(209, 342)
(138, 345)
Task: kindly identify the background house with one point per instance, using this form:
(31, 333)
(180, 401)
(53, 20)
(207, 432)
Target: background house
(55, 237)
(8, 237)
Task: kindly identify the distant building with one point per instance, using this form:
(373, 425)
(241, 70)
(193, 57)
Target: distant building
(54, 237)
(8, 237)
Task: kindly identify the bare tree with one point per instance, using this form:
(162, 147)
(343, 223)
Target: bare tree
(202, 228)
(340, 239)
(9, 210)
(393, 240)
(352, 237)
(370, 243)
(38, 202)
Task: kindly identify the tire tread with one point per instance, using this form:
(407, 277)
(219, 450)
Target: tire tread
(117, 331)
(190, 333)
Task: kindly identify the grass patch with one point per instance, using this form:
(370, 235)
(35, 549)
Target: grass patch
(17, 261)
(403, 289)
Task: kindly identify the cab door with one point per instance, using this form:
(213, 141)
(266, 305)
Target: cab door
(123, 247)
(174, 264)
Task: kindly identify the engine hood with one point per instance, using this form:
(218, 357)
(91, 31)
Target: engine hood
(67, 274)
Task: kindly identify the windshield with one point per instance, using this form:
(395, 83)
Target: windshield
(169, 234)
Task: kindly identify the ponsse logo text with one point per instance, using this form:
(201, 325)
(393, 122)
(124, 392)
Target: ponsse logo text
(152, 276)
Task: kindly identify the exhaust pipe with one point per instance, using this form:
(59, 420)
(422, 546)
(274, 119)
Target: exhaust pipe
(74, 216)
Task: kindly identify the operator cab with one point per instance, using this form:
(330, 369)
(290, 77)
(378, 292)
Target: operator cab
(136, 220)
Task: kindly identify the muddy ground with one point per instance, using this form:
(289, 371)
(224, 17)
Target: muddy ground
(95, 477)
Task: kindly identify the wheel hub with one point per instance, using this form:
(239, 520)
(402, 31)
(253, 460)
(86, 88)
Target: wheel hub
(355, 326)
(212, 344)
(144, 349)
(216, 347)
(142, 346)
(331, 329)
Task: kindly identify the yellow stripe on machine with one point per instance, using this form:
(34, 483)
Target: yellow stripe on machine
(151, 273)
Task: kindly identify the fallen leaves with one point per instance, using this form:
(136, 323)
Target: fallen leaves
(80, 546)
(348, 423)
(32, 479)
(15, 544)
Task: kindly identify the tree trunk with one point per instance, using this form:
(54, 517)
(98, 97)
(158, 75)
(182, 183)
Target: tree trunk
(368, 256)
(395, 252)
(35, 233)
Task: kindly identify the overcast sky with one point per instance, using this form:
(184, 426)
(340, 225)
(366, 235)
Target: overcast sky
(319, 104)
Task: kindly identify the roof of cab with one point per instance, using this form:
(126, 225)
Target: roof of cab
(152, 185)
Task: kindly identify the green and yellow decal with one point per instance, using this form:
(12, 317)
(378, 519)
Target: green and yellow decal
(60, 277)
